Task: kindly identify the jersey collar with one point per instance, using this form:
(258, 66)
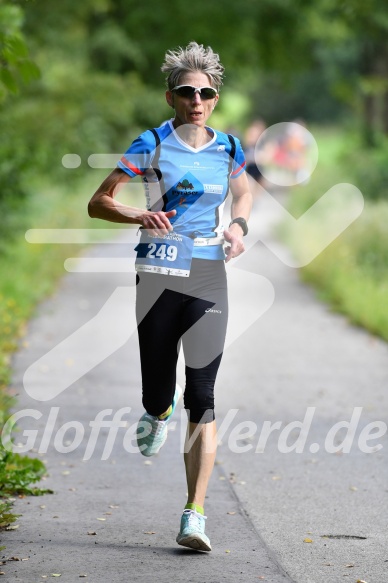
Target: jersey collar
(183, 143)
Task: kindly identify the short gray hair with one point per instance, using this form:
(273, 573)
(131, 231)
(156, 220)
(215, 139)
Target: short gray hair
(194, 57)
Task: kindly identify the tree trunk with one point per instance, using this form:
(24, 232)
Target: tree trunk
(369, 118)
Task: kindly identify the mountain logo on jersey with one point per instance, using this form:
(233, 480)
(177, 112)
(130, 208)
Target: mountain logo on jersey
(185, 192)
(184, 185)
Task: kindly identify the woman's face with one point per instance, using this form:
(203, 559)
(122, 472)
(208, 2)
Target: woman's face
(192, 110)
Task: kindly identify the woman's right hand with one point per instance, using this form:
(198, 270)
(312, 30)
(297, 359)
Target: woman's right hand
(157, 223)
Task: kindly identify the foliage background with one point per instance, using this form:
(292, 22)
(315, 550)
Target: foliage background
(84, 77)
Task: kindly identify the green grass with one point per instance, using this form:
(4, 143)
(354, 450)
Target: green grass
(351, 273)
(17, 473)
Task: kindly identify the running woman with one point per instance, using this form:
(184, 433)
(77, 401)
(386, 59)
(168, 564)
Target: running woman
(188, 169)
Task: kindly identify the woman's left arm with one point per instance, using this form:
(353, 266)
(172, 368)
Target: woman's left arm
(241, 207)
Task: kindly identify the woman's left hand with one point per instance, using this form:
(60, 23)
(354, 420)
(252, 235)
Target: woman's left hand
(234, 238)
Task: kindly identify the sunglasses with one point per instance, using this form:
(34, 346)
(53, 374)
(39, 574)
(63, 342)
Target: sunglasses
(189, 91)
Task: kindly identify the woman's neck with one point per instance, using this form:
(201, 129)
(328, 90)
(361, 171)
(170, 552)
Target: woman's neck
(194, 136)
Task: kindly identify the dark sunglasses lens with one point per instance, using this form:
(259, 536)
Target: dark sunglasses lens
(208, 93)
(185, 91)
(188, 91)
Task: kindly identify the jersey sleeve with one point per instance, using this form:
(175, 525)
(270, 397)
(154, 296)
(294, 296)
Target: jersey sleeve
(137, 159)
(239, 162)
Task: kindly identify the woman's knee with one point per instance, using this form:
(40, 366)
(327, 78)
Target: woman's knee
(199, 400)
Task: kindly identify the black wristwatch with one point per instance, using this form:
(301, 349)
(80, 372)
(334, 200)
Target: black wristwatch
(243, 224)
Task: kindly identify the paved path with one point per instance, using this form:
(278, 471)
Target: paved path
(288, 360)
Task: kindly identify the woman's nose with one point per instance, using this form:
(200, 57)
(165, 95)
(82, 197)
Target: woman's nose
(197, 97)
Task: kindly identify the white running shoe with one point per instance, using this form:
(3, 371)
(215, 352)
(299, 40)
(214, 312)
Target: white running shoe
(151, 431)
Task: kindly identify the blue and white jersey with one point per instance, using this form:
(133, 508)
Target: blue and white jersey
(193, 181)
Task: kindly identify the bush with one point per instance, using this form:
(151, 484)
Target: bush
(369, 167)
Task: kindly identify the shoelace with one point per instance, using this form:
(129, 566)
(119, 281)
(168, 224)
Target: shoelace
(194, 518)
(157, 426)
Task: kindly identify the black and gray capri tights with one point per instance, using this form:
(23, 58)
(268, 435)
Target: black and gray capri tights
(192, 311)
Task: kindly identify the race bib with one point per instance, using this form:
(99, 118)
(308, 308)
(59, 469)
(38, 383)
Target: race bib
(168, 255)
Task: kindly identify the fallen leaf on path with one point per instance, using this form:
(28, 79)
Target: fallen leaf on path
(361, 581)
(353, 488)
(56, 574)
(231, 513)
(42, 506)
(227, 551)
(91, 532)
(307, 540)
(65, 473)
(148, 463)
(113, 506)
(102, 519)
(150, 532)
(350, 565)
(108, 513)
(2, 573)
(13, 527)
(83, 575)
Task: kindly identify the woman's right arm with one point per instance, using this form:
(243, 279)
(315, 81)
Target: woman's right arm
(103, 205)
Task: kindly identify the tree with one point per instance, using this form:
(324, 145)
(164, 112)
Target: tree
(352, 39)
(15, 65)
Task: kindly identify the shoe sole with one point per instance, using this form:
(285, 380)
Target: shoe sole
(194, 542)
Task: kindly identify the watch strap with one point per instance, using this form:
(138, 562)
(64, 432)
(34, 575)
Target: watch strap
(243, 224)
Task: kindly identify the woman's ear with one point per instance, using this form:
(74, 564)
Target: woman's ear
(170, 98)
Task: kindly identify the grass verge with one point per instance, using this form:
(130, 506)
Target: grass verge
(351, 273)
